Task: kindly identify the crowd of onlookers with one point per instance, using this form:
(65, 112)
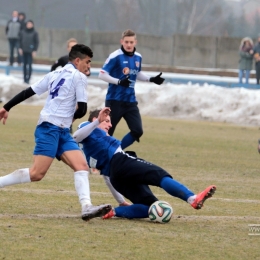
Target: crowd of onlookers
(23, 39)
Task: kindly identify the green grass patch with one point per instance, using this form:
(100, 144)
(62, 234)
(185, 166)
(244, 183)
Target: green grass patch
(42, 220)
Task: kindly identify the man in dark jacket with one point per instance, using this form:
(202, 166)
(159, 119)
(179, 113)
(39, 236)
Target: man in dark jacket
(63, 60)
(12, 32)
(29, 42)
(21, 18)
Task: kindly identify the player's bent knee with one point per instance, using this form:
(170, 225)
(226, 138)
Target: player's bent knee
(80, 167)
(36, 176)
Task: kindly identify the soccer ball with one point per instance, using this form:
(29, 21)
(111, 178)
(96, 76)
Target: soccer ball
(160, 211)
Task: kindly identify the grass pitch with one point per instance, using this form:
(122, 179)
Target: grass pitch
(42, 220)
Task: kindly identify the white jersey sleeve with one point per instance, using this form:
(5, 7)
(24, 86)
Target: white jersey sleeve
(80, 82)
(41, 85)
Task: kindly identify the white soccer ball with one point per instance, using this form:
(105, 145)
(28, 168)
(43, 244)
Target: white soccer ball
(160, 211)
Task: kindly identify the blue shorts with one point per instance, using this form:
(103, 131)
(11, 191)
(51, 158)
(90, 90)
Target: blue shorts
(53, 141)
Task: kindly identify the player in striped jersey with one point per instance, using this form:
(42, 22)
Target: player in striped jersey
(66, 90)
(118, 197)
(130, 175)
(121, 70)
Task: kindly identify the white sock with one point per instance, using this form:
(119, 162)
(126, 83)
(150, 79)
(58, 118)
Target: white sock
(82, 187)
(16, 177)
(191, 199)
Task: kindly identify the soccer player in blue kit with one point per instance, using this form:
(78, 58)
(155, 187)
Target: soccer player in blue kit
(129, 175)
(66, 90)
(121, 70)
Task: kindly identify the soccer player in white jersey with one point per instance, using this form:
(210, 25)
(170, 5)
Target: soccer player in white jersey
(66, 90)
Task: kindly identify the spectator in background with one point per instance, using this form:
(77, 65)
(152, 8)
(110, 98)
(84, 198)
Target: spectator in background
(21, 18)
(12, 32)
(257, 60)
(29, 42)
(62, 61)
(246, 59)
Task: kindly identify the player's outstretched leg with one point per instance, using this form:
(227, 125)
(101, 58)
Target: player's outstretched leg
(110, 214)
(202, 196)
(130, 212)
(91, 211)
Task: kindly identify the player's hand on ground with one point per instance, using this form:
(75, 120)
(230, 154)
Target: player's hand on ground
(125, 82)
(125, 203)
(157, 79)
(3, 115)
(103, 114)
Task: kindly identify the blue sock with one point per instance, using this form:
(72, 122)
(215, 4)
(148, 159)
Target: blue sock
(127, 140)
(175, 188)
(132, 211)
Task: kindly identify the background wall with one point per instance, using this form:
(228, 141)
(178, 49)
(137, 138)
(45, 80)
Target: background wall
(177, 50)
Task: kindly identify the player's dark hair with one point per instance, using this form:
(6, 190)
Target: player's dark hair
(93, 114)
(80, 51)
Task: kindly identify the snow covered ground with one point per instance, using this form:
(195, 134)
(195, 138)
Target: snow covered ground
(184, 101)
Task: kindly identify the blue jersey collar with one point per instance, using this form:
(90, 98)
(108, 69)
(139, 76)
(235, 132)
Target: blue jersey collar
(72, 65)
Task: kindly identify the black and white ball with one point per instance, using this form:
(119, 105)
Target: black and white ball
(160, 212)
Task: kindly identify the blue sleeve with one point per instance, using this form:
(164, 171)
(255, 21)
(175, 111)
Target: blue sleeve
(109, 65)
(83, 124)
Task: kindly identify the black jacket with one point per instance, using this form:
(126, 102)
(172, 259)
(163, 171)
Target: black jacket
(29, 40)
(62, 61)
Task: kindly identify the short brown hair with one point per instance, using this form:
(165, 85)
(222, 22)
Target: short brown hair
(71, 40)
(93, 114)
(128, 33)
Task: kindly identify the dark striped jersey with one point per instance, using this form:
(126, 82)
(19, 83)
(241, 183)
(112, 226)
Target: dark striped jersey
(119, 65)
(99, 149)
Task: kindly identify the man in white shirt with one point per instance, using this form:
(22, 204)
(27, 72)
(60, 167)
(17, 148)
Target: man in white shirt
(67, 90)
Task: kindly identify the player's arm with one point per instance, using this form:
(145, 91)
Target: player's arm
(86, 130)
(118, 196)
(109, 79)
(81, 110)
(80, 83)
(20, 97)
(142, 76)
(157, 79)
(106, 77)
